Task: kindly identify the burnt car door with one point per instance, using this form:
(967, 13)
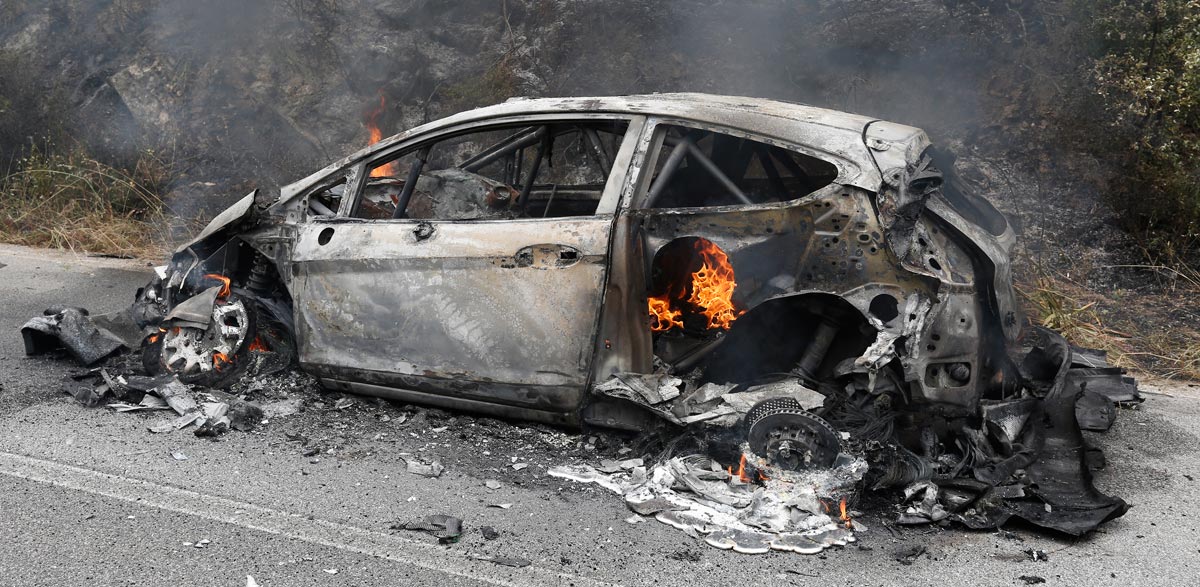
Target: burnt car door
(466, 266)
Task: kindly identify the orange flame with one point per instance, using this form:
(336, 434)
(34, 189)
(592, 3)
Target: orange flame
(846, 521)
(259, 346)
(713, 285)
(387, 169)
(662, 317)
(712, 293)
(224, 293)
(220, 360)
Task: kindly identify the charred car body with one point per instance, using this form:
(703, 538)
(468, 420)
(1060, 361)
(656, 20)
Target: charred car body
(596, 260)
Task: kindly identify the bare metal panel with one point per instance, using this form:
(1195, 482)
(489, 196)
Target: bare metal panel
(506, 301)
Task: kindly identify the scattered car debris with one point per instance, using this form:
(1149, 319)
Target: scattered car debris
(447, 529)
(753, 513)
(175, 423)
(489, 533)
(909, 555)
(177, 396)
(1032, 579)
(1037, 555)
(431, 469)
(74, 329)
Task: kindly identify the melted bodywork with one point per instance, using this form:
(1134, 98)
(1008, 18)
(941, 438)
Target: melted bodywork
(523, 315)
(779, 273)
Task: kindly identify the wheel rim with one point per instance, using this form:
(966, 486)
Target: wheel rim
(192, 351)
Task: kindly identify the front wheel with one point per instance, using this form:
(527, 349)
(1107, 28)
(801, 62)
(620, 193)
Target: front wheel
(214, 356)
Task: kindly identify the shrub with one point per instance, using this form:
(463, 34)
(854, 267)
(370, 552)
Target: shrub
(1148, 78)
(73, 201)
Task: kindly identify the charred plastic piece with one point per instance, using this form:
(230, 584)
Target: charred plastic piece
(791, 437)
(72, 329)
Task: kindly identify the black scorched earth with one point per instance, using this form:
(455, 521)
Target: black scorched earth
(804, 304)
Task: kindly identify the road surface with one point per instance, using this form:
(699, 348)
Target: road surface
(89, 497)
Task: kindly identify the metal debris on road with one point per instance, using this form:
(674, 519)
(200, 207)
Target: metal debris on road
(447, 529)
(431, 469)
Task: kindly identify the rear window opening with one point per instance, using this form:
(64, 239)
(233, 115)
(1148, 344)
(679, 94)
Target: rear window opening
(699, 168)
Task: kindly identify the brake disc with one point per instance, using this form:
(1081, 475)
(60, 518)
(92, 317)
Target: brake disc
(188, 351)
(789, 436)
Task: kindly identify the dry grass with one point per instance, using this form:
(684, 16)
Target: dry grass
(72, 201)
(1147, 340)
(1063, 305)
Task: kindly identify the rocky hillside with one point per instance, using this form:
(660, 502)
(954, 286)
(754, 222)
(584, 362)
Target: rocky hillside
(248, 91)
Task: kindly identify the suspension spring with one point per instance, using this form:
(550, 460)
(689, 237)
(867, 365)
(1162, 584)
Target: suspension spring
(262, 275)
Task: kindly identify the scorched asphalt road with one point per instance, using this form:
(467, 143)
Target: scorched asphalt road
(89, 497)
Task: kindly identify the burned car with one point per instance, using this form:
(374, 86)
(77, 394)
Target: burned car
(626, 261)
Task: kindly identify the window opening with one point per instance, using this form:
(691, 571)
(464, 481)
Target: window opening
(549, 170)
(699, 168)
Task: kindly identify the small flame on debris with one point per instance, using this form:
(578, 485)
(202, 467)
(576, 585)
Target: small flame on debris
(220, 360)
(711, 293)
(372, 124)
(225, 281)
(846, 521)
(741, 472)
(153, 338)
(259, 346)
